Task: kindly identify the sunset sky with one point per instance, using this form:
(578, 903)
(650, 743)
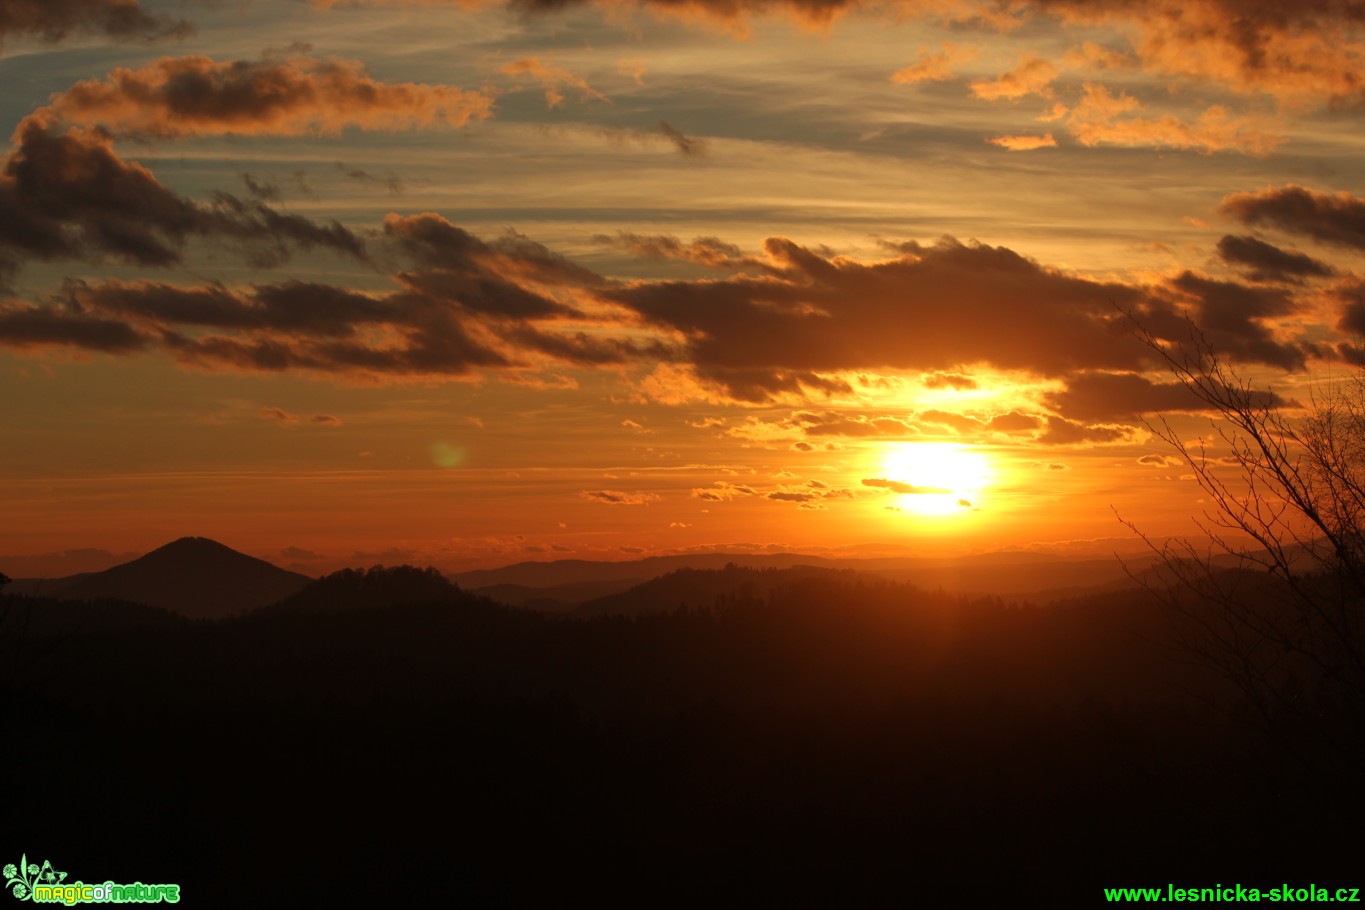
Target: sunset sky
(467, 283)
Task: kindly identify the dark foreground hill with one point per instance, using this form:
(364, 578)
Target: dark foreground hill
(377, 588)
(828, 740)
(192, 576)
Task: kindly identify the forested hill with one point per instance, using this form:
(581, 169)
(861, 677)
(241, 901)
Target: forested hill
(805, 736)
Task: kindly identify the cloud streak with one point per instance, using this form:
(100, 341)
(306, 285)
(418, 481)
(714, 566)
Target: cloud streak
(197, 96)
(53, 20)
(1335, 218)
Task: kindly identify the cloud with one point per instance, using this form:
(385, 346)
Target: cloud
(1061, 431)
(25, 327)
(299, 553)
(760, 338)
(198, 96)
(1159, 461)
(466, 303)
(1101, 118)
(685, 145)
(957, 381)
(1024, 143)
(552, 79)
(69, 195)
(279, 414)
(53, 20)
(1352, 296)
(664, 134)
(1336, 218)
(1051, 466)
(264, 189)
(1116, 396)
(934, 67)
(1238, 319)
(722, 491)
(390, 181)
(791, 496)
(1032, 76)
(286, 418)
(794, 325)
(1013, 422)
(1299, 54)
(832, 423)
(1266, 262)
(619, 498)
(961, 423)
(708, 251)
(897, 486)
(1293, 52)
(811, 498)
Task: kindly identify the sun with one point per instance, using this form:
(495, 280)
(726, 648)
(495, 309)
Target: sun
(936, 478)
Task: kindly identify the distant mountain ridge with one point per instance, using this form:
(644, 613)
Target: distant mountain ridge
(703, 588)
(192, 576)
(561, 585)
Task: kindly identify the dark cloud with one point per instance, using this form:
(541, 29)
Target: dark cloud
(299, 553)
(1266, 262)
(264, 189)
(760, 337)
(69, 195)
(390, 181)
(273, 327)
(53, 20)
(685, 145)
(1337, 218)
(1233, 318)
(466, 303)
(1117, 396)
(1352, 297)
(1061, 431)
(198, 96)
(707, 251)
(23, 326)
(475, 266)
(810, 497)
(898, 486)
(1159, 461)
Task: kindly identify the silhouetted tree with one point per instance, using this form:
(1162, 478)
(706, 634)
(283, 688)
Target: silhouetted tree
(1273, 601)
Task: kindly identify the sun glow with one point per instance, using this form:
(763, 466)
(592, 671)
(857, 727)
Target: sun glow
(936, 478)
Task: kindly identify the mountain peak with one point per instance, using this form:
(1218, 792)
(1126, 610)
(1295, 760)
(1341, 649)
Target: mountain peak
(194, 576)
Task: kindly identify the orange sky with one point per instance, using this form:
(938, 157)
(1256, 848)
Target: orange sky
(464, 284)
